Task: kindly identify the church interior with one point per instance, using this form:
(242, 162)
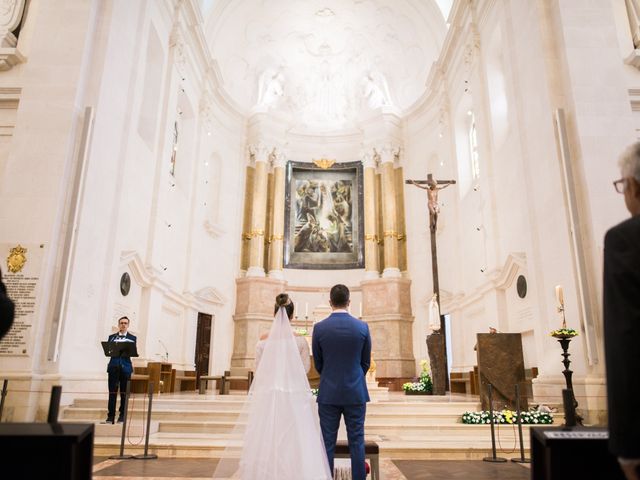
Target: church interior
(182, 162)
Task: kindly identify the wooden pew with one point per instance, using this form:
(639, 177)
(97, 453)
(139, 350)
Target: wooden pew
(204, 379)
(185, 380)
(241, 375)
(139, 380)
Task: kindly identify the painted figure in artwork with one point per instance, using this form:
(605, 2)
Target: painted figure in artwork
(323, 216)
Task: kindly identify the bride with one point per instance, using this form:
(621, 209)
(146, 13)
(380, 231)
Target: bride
(282, 439)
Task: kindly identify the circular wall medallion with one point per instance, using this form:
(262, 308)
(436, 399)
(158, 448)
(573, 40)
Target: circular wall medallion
(521, 286)
(125, 284)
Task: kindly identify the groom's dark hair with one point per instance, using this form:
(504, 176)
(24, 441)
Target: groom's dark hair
(339, 296)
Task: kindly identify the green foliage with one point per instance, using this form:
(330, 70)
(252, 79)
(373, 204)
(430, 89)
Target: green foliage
(424, 383)
(564, 332)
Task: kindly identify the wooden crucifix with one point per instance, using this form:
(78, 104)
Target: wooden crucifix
(432, 187)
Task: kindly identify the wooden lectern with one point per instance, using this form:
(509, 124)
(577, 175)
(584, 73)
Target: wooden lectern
(501, 363)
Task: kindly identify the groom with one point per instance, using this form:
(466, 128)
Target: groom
(342, 354)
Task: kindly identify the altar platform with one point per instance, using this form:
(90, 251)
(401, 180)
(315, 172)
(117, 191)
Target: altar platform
(405, 427)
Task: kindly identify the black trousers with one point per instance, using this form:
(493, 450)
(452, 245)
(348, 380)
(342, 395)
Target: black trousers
(117, 380)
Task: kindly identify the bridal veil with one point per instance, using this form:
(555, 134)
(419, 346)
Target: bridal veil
(277, 435)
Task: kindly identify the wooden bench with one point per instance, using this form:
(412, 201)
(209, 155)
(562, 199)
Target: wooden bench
(460, 382)
(139, 380)
(371, 451)
(204, 379)
(185, 380)
(236, 374)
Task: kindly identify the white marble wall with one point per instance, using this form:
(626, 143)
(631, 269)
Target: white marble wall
(132, 215)
(512, 64)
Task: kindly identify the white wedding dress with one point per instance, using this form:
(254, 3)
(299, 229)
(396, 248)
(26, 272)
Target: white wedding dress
(277, 437)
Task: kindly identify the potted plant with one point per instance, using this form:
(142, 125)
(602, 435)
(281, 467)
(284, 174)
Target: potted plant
(423, 386)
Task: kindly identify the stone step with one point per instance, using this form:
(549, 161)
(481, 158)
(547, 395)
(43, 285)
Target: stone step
(225, 424)
(133, 428)
(235, 406)
(190, 425)
(215, 430)
(439, 446)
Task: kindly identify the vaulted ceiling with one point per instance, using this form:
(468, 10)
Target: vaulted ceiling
(325, 64)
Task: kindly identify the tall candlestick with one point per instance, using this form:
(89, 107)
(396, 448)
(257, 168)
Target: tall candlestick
(559, 295)
(360, 309)
(306, 309)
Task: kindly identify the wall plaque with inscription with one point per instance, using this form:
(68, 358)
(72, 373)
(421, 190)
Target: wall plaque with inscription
(23, 288)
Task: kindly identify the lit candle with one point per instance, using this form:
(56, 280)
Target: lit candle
(559, 295)
(360, 309)
(306, 309)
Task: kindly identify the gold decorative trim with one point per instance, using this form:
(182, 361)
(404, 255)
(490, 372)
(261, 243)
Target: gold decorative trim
(273, 238)
(16, 259)
(369, 236)
(324, 163)
(252, 233)
(390, 233)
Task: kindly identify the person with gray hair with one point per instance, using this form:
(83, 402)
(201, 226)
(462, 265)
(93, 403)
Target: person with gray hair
(621, 302)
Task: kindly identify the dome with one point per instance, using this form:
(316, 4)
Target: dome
(325, 63)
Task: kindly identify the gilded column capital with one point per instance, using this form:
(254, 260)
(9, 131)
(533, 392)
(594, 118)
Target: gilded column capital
(260, 152)
(279, 158)
(388, 152)
(368, 159)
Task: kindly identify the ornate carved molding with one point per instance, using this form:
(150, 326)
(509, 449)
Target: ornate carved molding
(177, 47)
(149, 277)
(472, 47)
(206, 108)
(388, 152)
(368, 159)
(260, 152)
(279, 157)
(11, 12)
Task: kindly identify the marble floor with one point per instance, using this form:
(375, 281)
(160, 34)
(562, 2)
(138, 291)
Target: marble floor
(202, 469)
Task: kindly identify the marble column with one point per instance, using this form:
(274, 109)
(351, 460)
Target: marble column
(371, 267)
(260, 154)
(253, 316)
(277, 236)
(388, 154)
(386, 307)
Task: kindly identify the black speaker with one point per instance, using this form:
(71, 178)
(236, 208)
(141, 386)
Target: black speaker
(579, 452)
(47, 450)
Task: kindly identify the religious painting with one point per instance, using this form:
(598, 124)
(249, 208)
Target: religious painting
(323, 216)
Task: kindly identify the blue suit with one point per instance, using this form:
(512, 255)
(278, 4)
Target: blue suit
(119, 370)
(342, 355)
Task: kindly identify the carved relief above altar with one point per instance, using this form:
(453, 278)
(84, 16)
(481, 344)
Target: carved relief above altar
(11, 13)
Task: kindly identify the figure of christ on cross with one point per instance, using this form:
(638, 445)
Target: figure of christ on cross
(433, 186)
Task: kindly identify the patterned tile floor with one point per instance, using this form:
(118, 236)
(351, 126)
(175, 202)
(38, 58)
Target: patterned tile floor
(202, 469)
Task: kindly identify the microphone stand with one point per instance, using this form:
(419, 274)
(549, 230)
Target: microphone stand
(166, 351)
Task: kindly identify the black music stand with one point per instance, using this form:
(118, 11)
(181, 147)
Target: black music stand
(119, 349)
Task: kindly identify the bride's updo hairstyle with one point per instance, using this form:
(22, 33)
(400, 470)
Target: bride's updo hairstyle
(283, 300)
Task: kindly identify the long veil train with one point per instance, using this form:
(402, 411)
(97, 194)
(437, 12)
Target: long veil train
(277, 435)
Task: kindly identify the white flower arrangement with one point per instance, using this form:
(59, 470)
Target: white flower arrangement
(530, 417)
(424, 383)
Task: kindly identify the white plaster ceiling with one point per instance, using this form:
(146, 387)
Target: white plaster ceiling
(325, 63)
